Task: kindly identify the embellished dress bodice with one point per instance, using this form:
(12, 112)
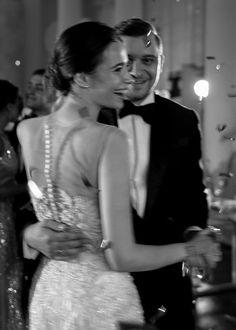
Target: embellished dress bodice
(83, 293)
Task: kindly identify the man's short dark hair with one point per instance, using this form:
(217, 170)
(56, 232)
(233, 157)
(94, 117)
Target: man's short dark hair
(40, 72)
(136, 27)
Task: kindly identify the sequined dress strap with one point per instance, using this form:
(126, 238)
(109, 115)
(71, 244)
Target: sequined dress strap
(48, 163)
(48, 168)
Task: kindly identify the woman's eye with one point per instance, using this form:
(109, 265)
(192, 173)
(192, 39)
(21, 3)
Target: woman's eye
(118, 69)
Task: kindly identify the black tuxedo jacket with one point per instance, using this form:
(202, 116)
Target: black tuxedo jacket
(175, 189)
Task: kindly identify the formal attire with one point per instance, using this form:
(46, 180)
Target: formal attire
(83, 293)
(168, 198)
(10, 263)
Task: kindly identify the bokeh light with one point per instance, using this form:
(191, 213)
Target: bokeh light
(201, 88)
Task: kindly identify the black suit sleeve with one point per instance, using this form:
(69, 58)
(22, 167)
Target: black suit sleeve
(196, 201)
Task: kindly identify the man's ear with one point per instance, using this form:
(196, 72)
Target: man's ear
(81, 79)
(162, 61)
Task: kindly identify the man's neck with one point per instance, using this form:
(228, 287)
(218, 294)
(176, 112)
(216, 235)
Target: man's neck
(41, 112)
(150, 98)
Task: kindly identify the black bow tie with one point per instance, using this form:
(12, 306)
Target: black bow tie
(143, 111)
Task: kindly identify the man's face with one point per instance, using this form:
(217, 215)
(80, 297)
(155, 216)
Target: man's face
(35, 93)
(146, 62)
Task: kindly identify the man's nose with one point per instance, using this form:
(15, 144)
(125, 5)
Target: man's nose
(136, 68)
(133, 69)
(128, 78)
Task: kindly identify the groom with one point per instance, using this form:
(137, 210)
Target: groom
(167, 192)
(167, 188)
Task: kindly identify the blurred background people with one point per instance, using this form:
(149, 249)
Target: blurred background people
(38, 96)
(10, 263)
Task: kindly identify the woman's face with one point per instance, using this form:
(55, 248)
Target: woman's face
(110, 81)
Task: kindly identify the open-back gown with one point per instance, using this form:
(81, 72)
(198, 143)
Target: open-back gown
(84, 293)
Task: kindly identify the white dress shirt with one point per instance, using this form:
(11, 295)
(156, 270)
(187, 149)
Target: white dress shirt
(138, 133)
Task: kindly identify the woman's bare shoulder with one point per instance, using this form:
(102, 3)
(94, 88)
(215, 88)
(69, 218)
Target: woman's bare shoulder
(29, 126)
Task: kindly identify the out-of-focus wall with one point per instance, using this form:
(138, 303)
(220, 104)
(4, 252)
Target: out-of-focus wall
(220, 105)
(11, 40)
(39, 21)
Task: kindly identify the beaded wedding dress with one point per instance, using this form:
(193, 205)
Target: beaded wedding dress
(10, 264)
(83, 294)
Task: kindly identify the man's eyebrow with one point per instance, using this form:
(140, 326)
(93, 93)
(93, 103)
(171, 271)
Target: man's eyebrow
(149, 55)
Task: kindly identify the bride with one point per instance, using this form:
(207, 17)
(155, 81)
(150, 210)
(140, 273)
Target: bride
(78, 171)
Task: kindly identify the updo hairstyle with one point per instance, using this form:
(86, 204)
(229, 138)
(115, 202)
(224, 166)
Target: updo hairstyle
(79, 49)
